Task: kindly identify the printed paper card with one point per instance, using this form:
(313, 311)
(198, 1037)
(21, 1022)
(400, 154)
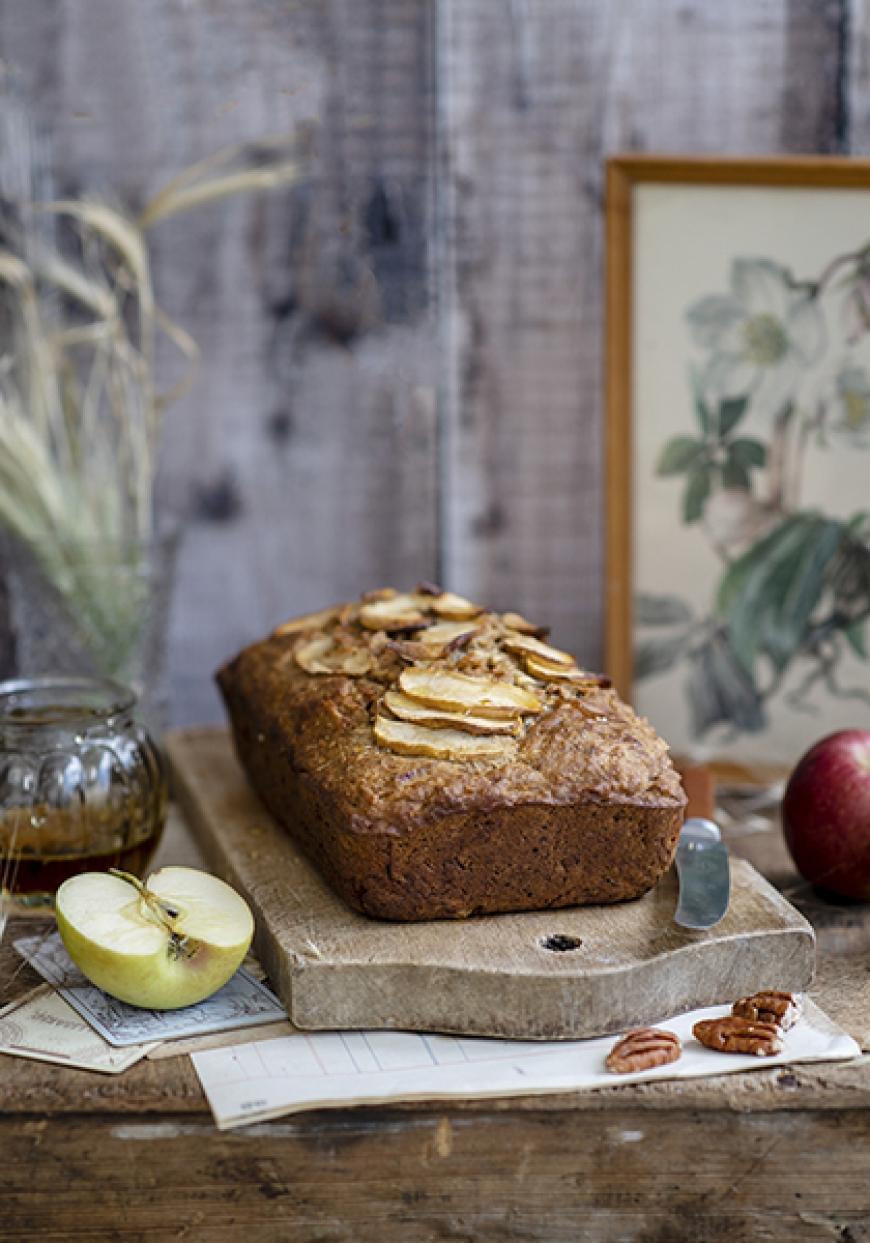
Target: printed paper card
(42, 1026)
(242, 1002)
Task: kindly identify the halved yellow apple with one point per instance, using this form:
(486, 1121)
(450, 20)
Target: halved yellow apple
(165, 944)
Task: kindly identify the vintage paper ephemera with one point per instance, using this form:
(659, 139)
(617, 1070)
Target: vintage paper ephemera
(254, 1082)
(42, 1026)
(242, 1002)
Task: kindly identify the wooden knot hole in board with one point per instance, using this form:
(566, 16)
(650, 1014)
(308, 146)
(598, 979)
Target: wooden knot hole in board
(558, 943)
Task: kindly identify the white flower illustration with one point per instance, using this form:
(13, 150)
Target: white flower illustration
(763, 335)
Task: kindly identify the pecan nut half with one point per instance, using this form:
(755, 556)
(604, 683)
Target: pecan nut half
(770, 1006)
(733, 1034)
(642, 1049)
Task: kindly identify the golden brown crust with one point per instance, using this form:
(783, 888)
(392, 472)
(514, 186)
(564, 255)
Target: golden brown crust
(587, 810)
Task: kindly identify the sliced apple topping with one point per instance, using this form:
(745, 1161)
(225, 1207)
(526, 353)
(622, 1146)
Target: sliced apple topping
(515, 621)
(348, 614)
(406, 738)
(523, 644)
(322, 655)
(379, 593)
(456, 692)
(453, 607)
(409, 650)
(309, 621)
(407, 709)
(400, 612)
(535, 685)
(548, 672)
(448, 636)
(355, 662)
(309, 655)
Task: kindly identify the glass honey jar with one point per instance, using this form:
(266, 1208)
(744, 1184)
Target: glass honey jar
(82, 784)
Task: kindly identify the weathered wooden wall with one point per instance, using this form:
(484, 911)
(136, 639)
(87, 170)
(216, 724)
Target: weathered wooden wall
(401, 360)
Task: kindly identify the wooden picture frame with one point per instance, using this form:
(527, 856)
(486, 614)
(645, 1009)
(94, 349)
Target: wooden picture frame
(627, 177)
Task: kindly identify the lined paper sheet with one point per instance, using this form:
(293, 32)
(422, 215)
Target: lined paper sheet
(249, 1082)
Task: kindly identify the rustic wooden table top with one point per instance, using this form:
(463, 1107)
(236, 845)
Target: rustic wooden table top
(783, 1153)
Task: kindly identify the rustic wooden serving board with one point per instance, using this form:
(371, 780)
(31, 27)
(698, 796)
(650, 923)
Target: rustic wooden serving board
(493, 976)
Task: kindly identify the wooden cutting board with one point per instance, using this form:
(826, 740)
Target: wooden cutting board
(587, 971)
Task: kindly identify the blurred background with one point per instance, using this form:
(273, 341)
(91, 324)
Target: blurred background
(401, 352)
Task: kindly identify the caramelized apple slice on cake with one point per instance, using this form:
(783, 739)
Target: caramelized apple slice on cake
(459, 692)
(308, 621)
(515, 621)
(407, 709)
(544, 671)
(522, 644)
(405, 738)
(323, 655)
(453, 607)
(448, 635)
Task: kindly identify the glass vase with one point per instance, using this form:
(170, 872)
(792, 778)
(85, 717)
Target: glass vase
(95, 609)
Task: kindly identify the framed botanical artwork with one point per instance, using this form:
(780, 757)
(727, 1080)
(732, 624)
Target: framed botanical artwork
(738, 416)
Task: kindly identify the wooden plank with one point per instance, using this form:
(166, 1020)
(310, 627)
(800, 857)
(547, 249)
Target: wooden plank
(303, 462)
(391, 1176)
(855, 78)
(532, 100)
(496, 976)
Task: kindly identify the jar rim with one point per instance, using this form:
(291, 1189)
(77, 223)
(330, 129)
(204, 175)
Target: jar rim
(47, 701)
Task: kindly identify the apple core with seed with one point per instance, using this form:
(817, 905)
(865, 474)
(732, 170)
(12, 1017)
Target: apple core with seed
(170, 942)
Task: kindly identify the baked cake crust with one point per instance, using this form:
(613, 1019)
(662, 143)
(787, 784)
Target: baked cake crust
(582, 805)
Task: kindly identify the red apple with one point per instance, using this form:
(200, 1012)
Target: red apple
(826, 814)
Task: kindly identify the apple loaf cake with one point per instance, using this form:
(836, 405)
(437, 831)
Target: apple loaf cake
(436, 760)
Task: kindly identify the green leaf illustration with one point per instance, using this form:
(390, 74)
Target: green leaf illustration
(747, 452)
(859, 523)
(650, 610)
(849, 579)
(735, 475)
(696, 494)
(657, 655)
(768, 595)
(856, 635)
(721, 691)
(731, 411)
(799, 590)
(702, 411)
(678, 455)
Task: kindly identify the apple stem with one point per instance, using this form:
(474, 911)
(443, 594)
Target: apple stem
(166, 914)
(130, 879)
